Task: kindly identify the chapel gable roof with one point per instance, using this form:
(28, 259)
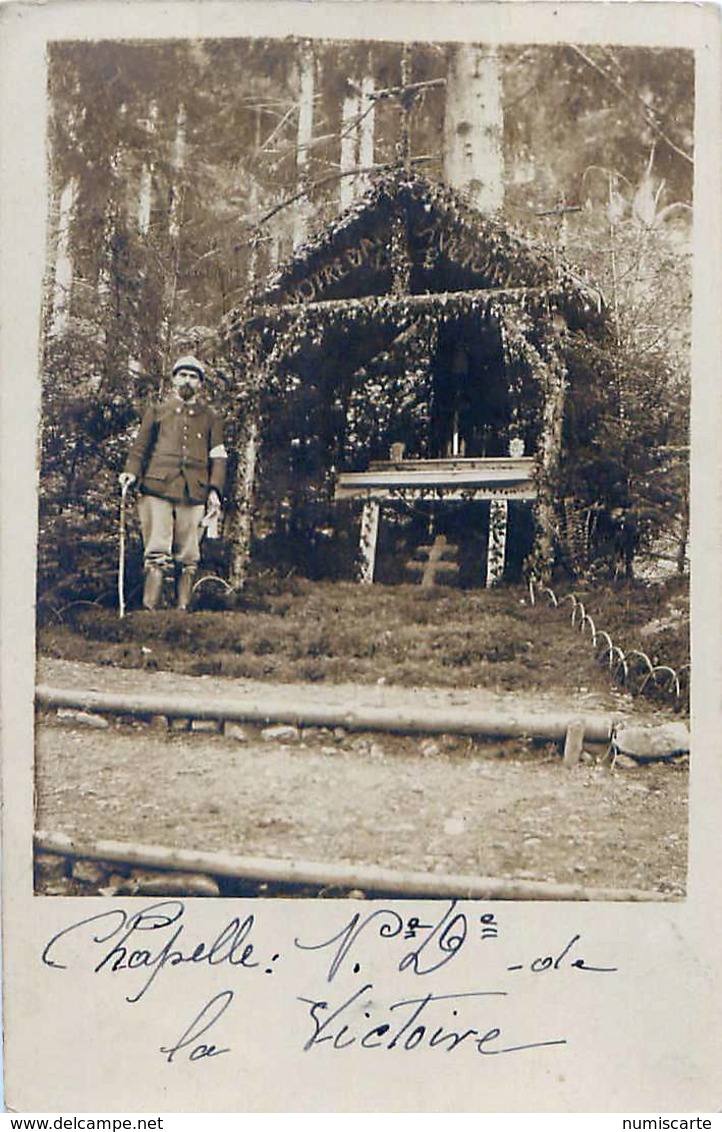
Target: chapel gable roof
(448, 245)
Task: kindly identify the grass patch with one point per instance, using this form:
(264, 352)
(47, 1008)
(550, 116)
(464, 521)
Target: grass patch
(338, 632)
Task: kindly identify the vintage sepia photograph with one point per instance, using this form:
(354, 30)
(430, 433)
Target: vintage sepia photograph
(363, 541)
(360, 602)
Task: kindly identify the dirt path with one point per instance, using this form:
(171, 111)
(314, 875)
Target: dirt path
(444, 805)
(436, 804)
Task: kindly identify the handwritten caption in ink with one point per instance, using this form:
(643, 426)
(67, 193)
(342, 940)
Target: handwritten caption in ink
(139, 949)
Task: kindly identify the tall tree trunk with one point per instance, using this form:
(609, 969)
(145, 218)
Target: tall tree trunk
(349, 149)
(145, 202)
(302, 211)
(145, 186)
(553, 384)
(357, 139)
(252, 263)
(145, 199)
(473, 126)
(366, 127)
(175, 210)
(105, 272)
(244, 496)
(111, 332)
(683, 537)
(240, 525)
(63, 267)
(142, 206)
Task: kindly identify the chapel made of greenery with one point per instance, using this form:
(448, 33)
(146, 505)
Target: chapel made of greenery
(419, 368)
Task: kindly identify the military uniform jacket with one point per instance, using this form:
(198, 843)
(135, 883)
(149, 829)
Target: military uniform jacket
(178, 453)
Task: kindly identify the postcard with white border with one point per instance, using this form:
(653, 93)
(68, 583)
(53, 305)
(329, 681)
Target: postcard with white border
(360, 556)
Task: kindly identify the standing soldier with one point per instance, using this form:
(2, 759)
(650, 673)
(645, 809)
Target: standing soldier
(179, 462)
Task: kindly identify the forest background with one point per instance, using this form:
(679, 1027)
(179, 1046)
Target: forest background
(182, 173)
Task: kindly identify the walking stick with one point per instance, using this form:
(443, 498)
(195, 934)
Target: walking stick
(121, 556)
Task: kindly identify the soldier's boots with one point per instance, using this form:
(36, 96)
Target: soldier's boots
(153, 587)
(185, 587)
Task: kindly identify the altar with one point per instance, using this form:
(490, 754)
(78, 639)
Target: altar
(500, 480)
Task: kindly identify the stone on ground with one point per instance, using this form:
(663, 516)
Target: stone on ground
(206, 726)
(662, 742)
(84, 718)
(172, 884)
(89, 872)
(49, 867)
(233, 730)
(281, 733)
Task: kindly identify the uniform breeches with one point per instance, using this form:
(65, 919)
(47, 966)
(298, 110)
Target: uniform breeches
(170, 531)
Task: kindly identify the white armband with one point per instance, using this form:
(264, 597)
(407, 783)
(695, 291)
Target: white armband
(219, 452)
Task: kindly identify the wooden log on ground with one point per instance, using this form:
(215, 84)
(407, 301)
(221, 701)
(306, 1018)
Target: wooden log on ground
(366, 878)
(503, 722)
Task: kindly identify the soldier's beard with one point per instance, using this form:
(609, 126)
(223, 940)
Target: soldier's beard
(186, 392)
